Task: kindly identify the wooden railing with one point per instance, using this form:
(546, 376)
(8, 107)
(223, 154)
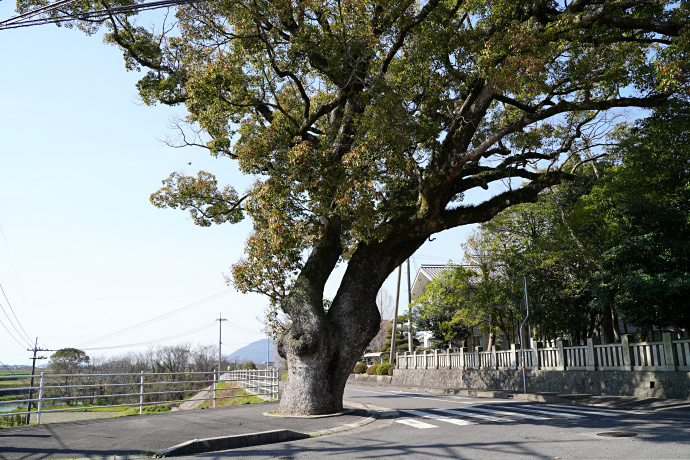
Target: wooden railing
(666, 355)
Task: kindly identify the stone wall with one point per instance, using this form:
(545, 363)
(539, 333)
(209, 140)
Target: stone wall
(646, 384)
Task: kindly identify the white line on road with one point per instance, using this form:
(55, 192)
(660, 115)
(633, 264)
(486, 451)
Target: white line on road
(472, 415)
(440, 418)
(509, 413)
(582, 410)
(542, 411)
(598, 409)
(415, 423)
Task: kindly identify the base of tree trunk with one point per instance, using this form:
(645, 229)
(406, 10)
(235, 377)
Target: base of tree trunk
(310, 390)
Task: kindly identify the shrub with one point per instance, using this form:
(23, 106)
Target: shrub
(372, 369)
(384, 369)
(360, 368)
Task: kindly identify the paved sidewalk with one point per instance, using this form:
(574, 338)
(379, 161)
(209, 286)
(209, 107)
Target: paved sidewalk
(621, 402)
(146, 434)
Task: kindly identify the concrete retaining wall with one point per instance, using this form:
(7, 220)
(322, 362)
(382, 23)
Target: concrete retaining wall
(672, 385)
(370, 378)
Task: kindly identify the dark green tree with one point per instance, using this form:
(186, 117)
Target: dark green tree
(640, 209)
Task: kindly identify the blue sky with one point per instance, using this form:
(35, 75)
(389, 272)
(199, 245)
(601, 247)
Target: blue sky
(83, 254)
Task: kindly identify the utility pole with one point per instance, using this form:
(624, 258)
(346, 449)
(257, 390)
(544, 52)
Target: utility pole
(409, 309)
(395, 320)
(35, 350)
(220, 329)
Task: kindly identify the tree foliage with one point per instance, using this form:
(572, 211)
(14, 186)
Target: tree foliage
(365, 123)
(640, 211)
(68, 360)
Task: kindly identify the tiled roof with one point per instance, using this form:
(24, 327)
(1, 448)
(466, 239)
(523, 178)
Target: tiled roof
(432, 271)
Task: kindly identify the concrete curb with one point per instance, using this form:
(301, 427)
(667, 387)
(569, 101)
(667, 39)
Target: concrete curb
(199, 446)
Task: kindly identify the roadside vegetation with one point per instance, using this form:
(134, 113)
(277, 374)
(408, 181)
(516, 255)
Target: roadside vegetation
(231, 396)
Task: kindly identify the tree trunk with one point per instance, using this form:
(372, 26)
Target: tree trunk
(322, 348)
(321, 359)
(607, 323)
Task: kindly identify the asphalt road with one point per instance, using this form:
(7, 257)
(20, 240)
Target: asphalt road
(444, 427)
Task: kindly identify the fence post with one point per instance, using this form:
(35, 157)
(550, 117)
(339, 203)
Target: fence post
(435, 359)
(536, 362)
(141, 394)
(560, 356)
(215, 387)
(461, 358)
(494, 360)
(40, 399)
(590, 357)
(669, 352)
(513, 357)
(625, 349)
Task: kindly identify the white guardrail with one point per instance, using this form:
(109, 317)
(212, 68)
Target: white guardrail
(46, 391)
(666, 355)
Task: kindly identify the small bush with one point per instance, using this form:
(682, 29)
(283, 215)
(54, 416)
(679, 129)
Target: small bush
(384, 368)
(372, 369)
(360, 368)
(12, 420)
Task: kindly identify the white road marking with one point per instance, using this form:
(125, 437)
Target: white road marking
(542, 411)
(598, 409)
(472, 415)
(585, 411)
(509, 413)
(440, 418)
(415, 423)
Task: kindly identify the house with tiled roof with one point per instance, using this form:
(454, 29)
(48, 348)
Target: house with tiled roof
(425, 275)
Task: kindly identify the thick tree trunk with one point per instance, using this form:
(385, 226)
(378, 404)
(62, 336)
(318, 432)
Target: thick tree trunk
(322, 348)
(317, 373)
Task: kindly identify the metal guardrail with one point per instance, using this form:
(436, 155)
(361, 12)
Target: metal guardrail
(666, 355)
(98, 391)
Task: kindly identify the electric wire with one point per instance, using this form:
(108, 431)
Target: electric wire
(24, 21)
(240, 328)
(25, 336)
(153, 320)
(149, 342)
(42, 9)
(11, 335)
(14, 270)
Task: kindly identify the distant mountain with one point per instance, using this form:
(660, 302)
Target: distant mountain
(255, 351)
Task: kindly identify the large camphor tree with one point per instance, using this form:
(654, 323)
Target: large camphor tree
(365, 124)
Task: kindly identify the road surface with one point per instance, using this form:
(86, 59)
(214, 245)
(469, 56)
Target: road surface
(455, 427)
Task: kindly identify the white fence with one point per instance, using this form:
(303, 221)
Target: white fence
(96, 391)
(667, 355)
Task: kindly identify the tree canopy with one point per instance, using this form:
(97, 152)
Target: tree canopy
(366, 123)
(614, 243)
(68, 360)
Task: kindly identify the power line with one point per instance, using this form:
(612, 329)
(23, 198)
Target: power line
(155, 319)
(11, 335)
(23, 20)
(14, 270)
(149, 342)
(26, 336)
